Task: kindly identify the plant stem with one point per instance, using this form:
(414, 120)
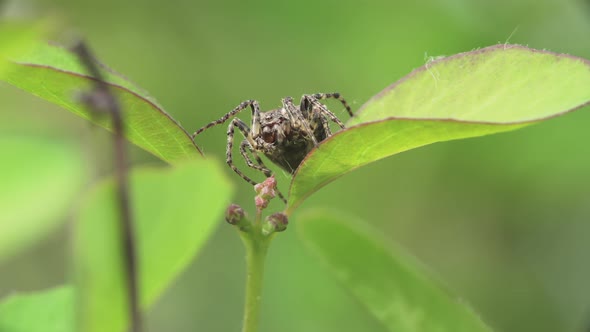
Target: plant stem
(103, 100)
(256, 248)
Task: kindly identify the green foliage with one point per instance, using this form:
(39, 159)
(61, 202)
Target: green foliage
(55, 74)
(16, 38)
(472, 94)
(492, 90)
(390, 284)
(175, 210)
(40, 180)
(48, 311)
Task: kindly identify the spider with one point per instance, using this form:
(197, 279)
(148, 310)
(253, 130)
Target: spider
(284, 135)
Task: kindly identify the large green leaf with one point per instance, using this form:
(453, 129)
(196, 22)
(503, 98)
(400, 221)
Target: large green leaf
(477, 93)
(55, 74)
(16, 38)
(39, 180)
(47, 311)
(389, 283)
(175, 211)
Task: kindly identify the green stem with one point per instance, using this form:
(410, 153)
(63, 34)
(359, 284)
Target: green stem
(256, 247)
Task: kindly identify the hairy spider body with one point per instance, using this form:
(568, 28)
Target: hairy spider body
(287, 142)
(284, 135)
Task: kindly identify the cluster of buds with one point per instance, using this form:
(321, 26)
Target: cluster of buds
(276, 222)
(266, 191)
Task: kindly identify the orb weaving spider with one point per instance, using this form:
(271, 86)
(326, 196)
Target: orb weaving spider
(284, 135)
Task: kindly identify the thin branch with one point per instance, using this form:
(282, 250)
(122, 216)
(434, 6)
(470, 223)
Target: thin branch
(103, 101)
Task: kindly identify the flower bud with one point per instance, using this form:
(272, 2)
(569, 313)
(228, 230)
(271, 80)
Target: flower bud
(266, 191)
(276, 222)
(234, 214)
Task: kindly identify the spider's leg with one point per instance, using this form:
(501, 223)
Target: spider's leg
(242, 106)
(245, 147)
(256, 126)
(316, 106)
(230, 141)
(324, 123)
(334, 95)
(297, 118)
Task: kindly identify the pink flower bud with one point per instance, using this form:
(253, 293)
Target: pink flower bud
(266, 191)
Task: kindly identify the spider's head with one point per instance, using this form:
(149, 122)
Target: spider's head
(274, 130)
(283, 141)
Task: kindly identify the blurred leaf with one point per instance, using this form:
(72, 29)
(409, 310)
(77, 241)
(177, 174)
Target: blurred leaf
(175, 211)
(55, 75)
(471, 94)
(16, 38)
(40, 180)
(47, 311)
(390, 284)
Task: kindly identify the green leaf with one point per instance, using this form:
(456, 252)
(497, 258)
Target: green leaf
(175, 211)
(55, 75)
(390, 284)
(40, 180)
(16, 38)
(47, 311)
(492, 90)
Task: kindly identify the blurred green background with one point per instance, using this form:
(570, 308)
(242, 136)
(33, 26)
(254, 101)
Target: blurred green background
(502, 220)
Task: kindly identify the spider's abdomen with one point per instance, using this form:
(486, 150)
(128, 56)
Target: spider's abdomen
(290, 154)
(289, 162)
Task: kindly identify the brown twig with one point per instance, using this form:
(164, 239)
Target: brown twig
(103, 101)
